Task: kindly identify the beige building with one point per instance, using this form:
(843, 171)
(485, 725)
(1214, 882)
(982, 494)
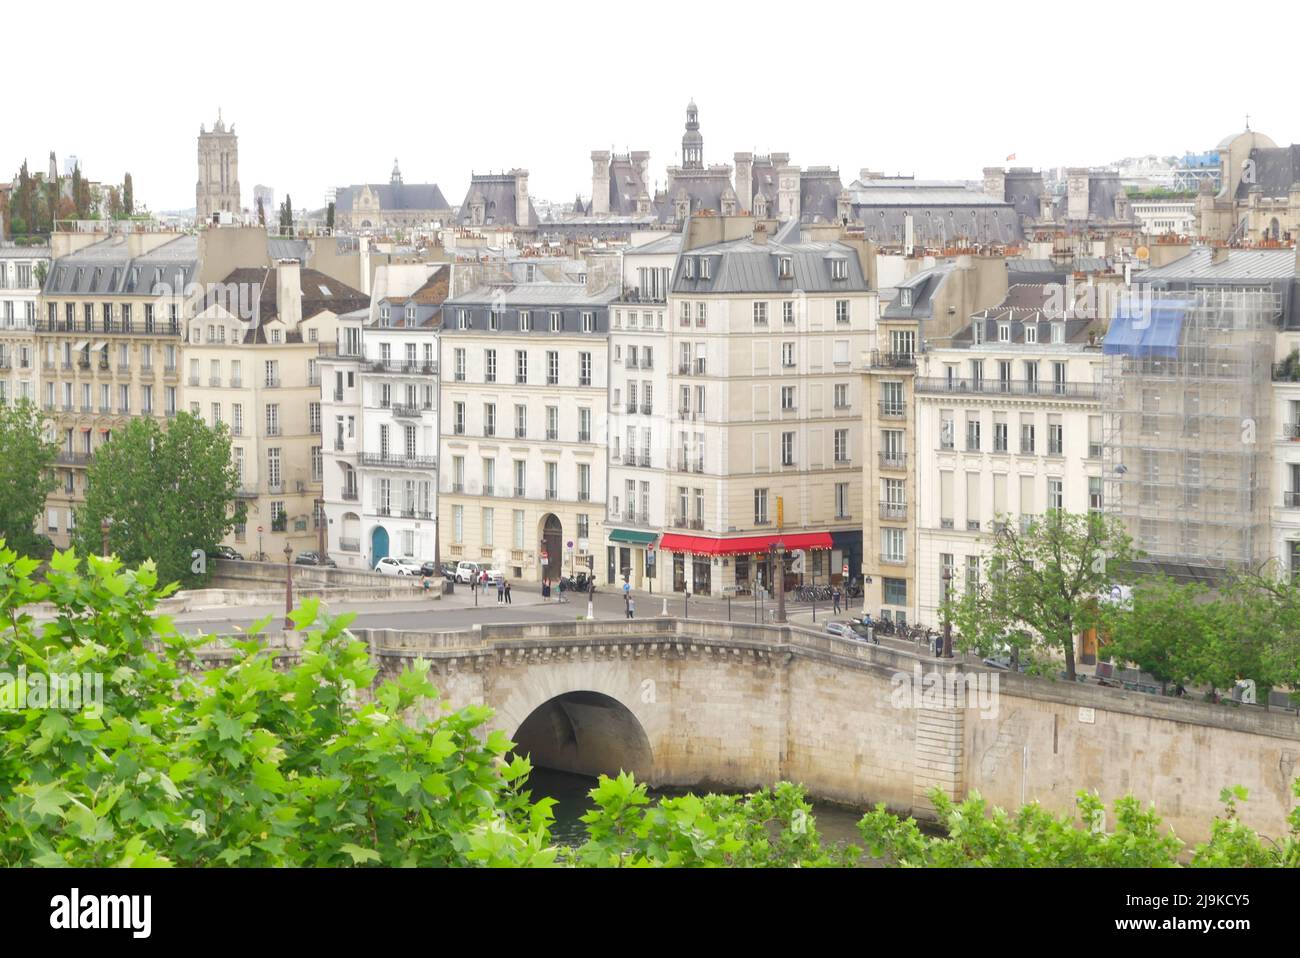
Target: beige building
(929, 306)
(21, 268)
(522, 460)
(114, 320)
(763, 327)
(250, 361)
(217, 190)
(1259, 197)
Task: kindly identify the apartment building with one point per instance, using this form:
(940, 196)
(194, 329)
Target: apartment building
(929, 306)
(381, 411)
(765, 448)
(21, 271)
(1008, 425)
(109, 342)
(250, 362)
(640, 419)
(524, 394)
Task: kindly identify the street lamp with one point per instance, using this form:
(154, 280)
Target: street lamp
(946, 575)
(103, 532)
(288, 587)
(780, 581)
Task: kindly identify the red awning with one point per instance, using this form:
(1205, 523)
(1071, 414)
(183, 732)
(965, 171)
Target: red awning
(743, 545)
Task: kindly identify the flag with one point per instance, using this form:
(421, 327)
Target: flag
(1011, 157)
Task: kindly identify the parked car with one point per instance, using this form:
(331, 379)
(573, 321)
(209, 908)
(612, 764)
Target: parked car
(225, 552)
(840, 628)
(391, 565)
(430, 568)
(314, 558)
(467, 572)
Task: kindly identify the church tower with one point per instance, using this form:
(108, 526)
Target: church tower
(692, 141)
(218, 186)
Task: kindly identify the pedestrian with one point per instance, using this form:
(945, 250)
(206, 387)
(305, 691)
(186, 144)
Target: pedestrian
(483, 580)
(507, 593)
(546, 587)
(835, 597)
(631, 608)
(426, 583)
(501, 591)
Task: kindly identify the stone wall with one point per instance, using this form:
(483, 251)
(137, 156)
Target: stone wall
(746, 705)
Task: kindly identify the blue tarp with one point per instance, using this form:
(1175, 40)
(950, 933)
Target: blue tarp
(1145, 327)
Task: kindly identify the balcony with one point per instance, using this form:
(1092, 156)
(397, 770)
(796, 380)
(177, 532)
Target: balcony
(407, 412)
(68, 458)
(1291, 499)
(893, 360)
(214, 381)
(170, 372)
(350, 495)
(684, 369)
(584, 495)
(893, 510)
(397, 461)
(246, 492)
(520, 432)
(194, 380)
(350, 545)
(893, 460)
(552, 435)
(519, 492)
(890, 410)
(697, 523)
(892, 559)
(271, 382)
(552, 494)
(972, 525)
(1019, 387)
(338, 395)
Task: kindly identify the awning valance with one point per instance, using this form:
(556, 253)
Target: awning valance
(743, 545)
(632, 536)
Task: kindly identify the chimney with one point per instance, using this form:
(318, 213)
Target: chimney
(745, 179)
(995, 182)
(288, 291)
(599, 181)
(1218, 254)
(641, 161)
(1076, 192)
(760, 234)
(521, 196)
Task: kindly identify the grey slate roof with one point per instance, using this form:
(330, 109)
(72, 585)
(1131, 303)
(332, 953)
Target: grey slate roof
(25, 252)
(1240, 264)
(394, 196)
(278, 247)
(819, 195)
(625, 185)
(498, 191)
(743, 266)
(106, 268)
(671, 243)
(1275, 171)
(943, 212)
(923, 286)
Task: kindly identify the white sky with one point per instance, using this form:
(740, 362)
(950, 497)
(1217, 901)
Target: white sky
(936, 89)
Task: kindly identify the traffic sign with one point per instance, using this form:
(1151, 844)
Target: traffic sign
(259, 528)
(545, 558)
(846, 568)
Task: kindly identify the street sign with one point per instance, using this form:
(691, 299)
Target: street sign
(570, 543)
(259, 529)
(846, 568)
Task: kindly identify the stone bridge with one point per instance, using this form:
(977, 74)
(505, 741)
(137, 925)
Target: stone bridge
(695, 703)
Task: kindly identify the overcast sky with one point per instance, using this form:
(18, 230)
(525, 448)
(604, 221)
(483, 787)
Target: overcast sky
(325, 95)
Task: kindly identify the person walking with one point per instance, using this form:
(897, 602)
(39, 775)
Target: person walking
(507, 588)
(631, 607)
(835, 597)
(546, 588)
(501, 591)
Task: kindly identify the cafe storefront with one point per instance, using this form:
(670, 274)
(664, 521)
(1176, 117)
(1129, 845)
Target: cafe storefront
(708, 565)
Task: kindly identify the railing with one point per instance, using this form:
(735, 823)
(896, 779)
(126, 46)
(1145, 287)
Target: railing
(1019, 387)
(350, 545)
(214, 380)
(552, 494)
(887, 559)
(194, 380)
(893, 360)
(520, 432)
(893, 460)
(890, 410)
(893, 510)
(519, 492)
(399, 461)
(1291, 499)
(66, 458)
(683, 369)
(246, 492)
(272, 382)
(697, 523)
(350, 495)
(407, 412)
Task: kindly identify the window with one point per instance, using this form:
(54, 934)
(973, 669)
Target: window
(787, 398)
(1055, 437)
(588, 322)
(841, 446)
(841, 395)
(1031, 332)
(1027, 436)
(494, 320)
(272, 372)
(787, 312)
(1094, 494)
(521, 366)
(946, 439)
(1058, 333)
(463, 321)
(701, 313)
(458, 524)
(557, 322)
(1000, 440)
(552, 422)
(517, 539)
(489, 419)
(839, 269)
(760, 314)
(490, 366)
(891, 403)
(552, 368)
(272, 419)
(1055, 494)
(842, 311)
(841, 500)
(760, 507)
(521, 421)
(489, 520)
(895, 593)
(584, 424)
(787, 354)
(313, 416)
(1004, 332)
(973, 434)
(525, 321)
(787, 449)
(458, 365)
(893, 544)
(1031, 376)
(584, 369)
(458, 418)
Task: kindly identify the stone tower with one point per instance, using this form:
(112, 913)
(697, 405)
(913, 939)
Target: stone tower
(692, 141)
(218, 186)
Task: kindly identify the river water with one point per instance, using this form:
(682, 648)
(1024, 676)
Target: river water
(836, 824)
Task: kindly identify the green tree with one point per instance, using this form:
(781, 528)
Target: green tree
(286, 216)
(128, 195)
(115, 208)
(26, 474)
(1042, 585)
(1165, 629)
(165, 492)
(261, 212)
(329, 216)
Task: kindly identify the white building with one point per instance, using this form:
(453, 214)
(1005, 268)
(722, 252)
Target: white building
(640, 411)
(1160, 216)
(20, 288)
(1008, 425)
(380, 410)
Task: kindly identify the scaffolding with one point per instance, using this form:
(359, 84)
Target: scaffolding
(1187, 430)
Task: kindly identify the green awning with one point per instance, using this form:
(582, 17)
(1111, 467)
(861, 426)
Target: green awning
(632, 536)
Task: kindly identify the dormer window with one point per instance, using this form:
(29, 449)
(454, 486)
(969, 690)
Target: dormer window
(1004, 332)
(525, 321)
(905, 298)
(383, 315)
(704, 267)
(1058, 332)
(839, 269)
(275, 336)
(463, 320)
(977, 332)
(1031, 332)
(785, 266)
(689, 266)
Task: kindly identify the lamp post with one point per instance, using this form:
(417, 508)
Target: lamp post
(103, 532)
(947, 622)
(780, 581)
(288, 587)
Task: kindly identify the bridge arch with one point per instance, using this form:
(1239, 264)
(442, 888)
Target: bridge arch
(587, 733)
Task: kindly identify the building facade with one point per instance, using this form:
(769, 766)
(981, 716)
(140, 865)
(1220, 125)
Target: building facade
(22, 269)
(217, 190)
(522, 449)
